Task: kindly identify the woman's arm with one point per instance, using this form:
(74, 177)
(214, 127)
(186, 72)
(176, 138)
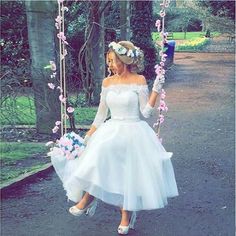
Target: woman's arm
(153, 98)
(101, 113)
(147, 102)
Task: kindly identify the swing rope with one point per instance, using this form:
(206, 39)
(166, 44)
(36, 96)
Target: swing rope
(62, 74)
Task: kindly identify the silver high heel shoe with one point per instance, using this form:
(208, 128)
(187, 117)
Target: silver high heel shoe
(125, 229)
(88, 210)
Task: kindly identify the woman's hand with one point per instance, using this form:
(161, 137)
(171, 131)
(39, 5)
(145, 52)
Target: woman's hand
(158, 83)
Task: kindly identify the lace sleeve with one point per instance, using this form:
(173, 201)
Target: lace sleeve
(102, 110)
(145, 108)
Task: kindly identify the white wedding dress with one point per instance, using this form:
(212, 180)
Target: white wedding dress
(124, 163)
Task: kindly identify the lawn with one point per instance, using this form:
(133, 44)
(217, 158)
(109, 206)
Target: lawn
(180, 35)
(21, 111)
(20, 158)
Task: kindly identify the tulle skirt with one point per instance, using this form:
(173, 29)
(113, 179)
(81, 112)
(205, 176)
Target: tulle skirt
(124, 164)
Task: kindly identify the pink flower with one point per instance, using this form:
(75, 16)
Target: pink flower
(58, 19)
(70, 109)
(53, 65)
(55, 129)
(163, 59)
(57, 25)
(58, 87)
(158, 70)
(62, 98)
(162, 63)
(61, 36)
(158, 25)
(160, 53)
(161, 118)
(163, 91)
(58, 123)
(162, 13)
(65, 8)
(163, 96)
(51, 85)
(155, 125)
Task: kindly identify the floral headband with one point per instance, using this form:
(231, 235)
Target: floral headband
(121, 50)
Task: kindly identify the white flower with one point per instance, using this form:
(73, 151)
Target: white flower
(130, 53)
(51, 85)
(49, 143)
(118, 48)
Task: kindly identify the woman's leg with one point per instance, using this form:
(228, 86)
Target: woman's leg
(87, 198)
(125, 215)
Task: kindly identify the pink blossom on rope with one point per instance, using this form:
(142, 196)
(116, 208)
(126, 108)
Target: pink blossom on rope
(58, 19)
(61, 36)
(59, 88)
(163, 96)
(65, 9)
(158, 25)
(70, 109)
(62, 99)
(161, 118)
(162, 13)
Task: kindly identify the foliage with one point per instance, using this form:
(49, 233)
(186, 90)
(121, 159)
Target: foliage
(219, 8)
(14, 41)
(141, 20)
(182, 19)
(217, 15)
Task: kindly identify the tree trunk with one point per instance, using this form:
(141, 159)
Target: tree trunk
(41, 34)
(97, 50)
(125, 20)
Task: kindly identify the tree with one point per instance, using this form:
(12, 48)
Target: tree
(141, 22)
(217, 15)
(41, 33)
(182, 19)
(91, 55)
(125, 20)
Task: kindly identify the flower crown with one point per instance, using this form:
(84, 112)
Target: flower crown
(121, 50)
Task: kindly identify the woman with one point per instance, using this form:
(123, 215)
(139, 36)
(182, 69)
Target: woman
(124, 164)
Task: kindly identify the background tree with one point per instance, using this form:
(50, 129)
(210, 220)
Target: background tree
(91, 55)
(125, 20)
(141, 24)
(41, 33)
(217, 15)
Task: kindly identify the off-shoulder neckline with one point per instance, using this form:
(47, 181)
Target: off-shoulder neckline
(122, 85)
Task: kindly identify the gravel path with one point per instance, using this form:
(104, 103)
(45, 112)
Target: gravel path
(199, 129)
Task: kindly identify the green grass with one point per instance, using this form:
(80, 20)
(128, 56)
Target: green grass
(14, 151)
(13, 155)
(180, 35)
(21, 111)
(8, 174)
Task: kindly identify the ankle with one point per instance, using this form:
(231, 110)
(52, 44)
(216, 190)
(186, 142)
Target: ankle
(85, 201)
